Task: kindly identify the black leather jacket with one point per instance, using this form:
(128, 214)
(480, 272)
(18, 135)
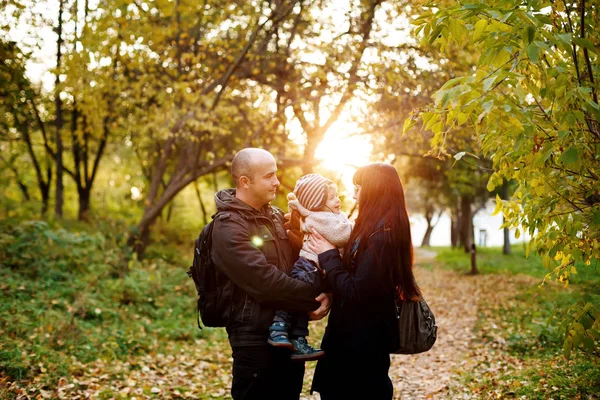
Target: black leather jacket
(252, 248)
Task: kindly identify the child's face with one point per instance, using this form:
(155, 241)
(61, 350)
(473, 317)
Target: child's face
(333, 201)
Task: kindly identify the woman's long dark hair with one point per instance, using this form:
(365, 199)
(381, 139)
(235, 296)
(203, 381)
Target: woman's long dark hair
(381, 199)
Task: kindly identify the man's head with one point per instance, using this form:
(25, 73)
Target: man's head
(254, 174)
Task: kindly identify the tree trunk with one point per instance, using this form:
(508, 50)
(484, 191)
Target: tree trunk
(43, 184)
(429, 215)
(466, 224)
(202, 207)
(170, 211)
(506, 247)
(312, 141)
(58, 207)
(84, 204)
(45, 189)
(20, 183)
(454, 227)
(427, 237)
(474, 270)
(23, 189)
(215, 182)
(45, 192)
(140, 241)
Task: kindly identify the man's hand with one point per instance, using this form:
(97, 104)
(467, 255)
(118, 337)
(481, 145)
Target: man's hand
(295, 235)
(323, 310)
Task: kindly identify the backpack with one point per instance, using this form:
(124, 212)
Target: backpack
(213, 286)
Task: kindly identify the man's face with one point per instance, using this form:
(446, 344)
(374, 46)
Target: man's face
(263, 183)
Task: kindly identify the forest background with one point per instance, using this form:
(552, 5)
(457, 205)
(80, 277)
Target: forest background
(119, 121)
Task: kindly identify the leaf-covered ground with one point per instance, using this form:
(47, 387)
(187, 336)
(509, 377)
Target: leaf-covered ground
(471, 358)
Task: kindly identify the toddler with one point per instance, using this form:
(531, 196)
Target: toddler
(315, 198)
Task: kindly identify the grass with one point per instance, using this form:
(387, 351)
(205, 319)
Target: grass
(490, 260)
(529, 325)
(69, 297)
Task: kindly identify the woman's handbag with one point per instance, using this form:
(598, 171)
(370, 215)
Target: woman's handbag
(416, 327)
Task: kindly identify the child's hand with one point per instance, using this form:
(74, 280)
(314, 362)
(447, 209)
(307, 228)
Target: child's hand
(317, 243)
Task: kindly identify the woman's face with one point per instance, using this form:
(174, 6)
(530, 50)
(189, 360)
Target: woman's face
(356, 193)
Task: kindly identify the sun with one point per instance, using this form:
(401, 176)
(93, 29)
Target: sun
(342, 151)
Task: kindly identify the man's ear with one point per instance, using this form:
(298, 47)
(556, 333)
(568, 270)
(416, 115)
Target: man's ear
(244, 181)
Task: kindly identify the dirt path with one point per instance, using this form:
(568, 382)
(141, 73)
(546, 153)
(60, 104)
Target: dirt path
(455, 299)
(452, 299)
(202, 369)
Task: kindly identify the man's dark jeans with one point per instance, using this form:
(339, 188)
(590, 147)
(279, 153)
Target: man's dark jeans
(265, 372)
(306, 271)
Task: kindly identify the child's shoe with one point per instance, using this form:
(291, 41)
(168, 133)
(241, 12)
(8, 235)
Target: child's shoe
(278, 335)
(304, 351)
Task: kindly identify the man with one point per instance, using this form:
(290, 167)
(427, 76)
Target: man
(251, 247)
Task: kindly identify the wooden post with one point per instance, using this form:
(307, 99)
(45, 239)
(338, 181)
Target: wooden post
(473, 260)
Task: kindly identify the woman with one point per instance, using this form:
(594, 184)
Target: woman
(376, 266)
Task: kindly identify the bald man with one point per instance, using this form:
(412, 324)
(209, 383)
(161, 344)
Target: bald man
(251, 247)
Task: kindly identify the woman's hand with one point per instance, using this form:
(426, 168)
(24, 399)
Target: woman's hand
(317, 243)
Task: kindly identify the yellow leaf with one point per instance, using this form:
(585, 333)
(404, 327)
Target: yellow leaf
(479, 28)
(498, 205)
(539, 190)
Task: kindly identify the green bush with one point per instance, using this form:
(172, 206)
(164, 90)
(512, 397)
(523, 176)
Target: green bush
(32, 247)
(68, 297)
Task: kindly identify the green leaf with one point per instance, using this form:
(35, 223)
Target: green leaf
(487, 106)
(530, 33)
(533, 52)
(506, 16)
(434, 35)
(588, 343)
(570, 156)
(596, 217)
(487, 84)
(408, 123)
(595, 333)
(452, 82)
(583, 42)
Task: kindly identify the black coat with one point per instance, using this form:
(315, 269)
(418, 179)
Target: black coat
(362, 323)
(252, 248)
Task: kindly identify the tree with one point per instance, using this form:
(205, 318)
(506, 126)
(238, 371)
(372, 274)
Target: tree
(533, 102)
(315, 65)
(96, 110)
(187, 111)
(21, 123)
(58, 205)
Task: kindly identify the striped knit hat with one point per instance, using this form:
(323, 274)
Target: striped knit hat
(311, 191)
